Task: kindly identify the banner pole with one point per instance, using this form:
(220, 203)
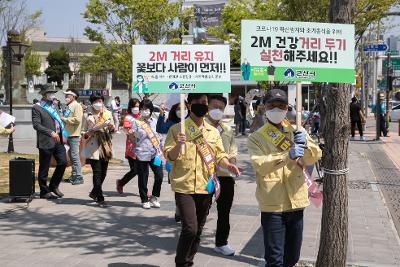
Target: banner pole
(299, 101)
(182, 108)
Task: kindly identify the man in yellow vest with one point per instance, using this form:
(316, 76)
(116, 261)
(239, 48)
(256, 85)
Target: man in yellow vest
(278, 155)
(193, 173)
(216, 108)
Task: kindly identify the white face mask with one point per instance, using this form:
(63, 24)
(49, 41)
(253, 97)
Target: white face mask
(97, 106)
(276, 115)
(179, 115)
(216, 114)
(146, 113)
(135, 110)
(50, 97)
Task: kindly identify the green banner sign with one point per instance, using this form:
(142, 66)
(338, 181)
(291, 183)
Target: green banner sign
(297, 51)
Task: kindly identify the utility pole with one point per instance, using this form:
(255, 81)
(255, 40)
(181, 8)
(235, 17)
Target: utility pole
(389, 85)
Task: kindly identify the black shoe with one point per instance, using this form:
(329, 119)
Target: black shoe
(57, 192)
(103, 204)
(92, 196)
(48, 196)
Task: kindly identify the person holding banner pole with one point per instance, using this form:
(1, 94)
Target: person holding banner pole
(51, 137)
(278, 155)
(149, 153)
(216, 108)
(193, 173)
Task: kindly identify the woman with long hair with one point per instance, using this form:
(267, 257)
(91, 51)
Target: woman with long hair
(131, 116)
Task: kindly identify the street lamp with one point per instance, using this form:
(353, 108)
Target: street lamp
(15, 52)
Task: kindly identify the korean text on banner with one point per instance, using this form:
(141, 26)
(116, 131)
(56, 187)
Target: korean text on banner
(181, 69)
(297, 51)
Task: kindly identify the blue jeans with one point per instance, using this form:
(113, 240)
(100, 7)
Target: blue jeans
(73, 143)
(283, 235)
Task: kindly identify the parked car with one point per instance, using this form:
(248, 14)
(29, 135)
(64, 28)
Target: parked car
(394, 114)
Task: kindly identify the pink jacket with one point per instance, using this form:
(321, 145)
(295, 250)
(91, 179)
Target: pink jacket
(130, 140)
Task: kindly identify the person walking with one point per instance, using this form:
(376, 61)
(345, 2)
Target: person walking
(174, 117)
(356, 119)
(216, 108)
(51, 136)
(148, 152)
(116, 111)
(193, 173)
(281, 192)
(133, 114)
(238, 117)
(97, 131)
(72, 118)
(243, 117)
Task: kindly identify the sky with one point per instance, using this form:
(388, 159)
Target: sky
(61, 18)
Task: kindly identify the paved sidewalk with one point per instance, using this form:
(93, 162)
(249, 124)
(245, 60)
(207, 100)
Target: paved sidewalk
(74, 232)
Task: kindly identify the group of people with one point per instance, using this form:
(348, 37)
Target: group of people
(200, 160)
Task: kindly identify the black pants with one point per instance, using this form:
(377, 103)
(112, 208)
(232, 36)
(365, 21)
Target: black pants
(224, 205)
(99, 169)
(359, 127)
(60, 155)
(283, 234)
(143, 177)
(132, 172)
(382, 125)
(193, 210)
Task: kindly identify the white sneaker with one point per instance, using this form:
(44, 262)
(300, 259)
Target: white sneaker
(146, 205)
(362, 138)
(225, 250)
(352, 139)
(154, 202)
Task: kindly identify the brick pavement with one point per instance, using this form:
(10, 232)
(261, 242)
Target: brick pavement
(74, 232)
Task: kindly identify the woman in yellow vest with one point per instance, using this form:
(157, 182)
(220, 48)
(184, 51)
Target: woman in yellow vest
(193, 173)
(281, 192)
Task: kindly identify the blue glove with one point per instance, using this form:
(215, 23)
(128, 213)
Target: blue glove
(296, 151)
(300, 137)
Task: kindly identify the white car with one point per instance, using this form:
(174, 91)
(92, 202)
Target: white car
(395, 114)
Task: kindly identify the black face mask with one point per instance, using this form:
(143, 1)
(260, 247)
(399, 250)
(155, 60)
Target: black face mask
(200, 110)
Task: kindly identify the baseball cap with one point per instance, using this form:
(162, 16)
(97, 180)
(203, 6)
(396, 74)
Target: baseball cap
(275, 95)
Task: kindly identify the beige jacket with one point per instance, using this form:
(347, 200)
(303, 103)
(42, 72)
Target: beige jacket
(91, 148)
(73, 122)
(4, 131)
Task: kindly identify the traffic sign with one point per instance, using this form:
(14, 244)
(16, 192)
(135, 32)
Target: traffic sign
(375, 47)
(392, 52)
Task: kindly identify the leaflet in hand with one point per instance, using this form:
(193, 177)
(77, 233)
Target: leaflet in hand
(100, 126)
(6, 119)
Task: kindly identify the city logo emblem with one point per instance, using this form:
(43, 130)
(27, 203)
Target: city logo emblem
(173, 86)
(289, 73)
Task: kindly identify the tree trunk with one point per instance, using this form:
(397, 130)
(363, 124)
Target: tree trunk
(334, 223)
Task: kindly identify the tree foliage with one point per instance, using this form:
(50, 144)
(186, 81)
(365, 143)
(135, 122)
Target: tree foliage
(58, 65)
(32, 62)
(368, 12)
(14, 15)
(118, 24)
